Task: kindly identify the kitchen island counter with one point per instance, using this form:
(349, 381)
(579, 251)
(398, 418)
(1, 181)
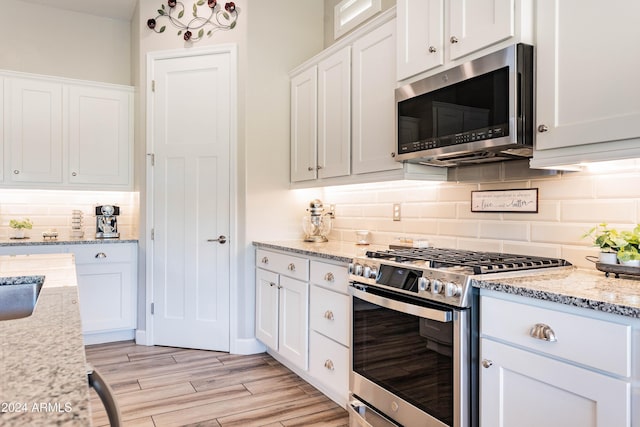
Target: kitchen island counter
(572, 286)
(43, 374)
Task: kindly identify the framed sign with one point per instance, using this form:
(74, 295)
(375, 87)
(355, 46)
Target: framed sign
(524, 200)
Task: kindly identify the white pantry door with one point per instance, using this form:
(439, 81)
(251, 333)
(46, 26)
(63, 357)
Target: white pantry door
(191, 125)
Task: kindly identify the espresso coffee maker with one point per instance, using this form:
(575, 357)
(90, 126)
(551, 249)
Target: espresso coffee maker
(107, 221)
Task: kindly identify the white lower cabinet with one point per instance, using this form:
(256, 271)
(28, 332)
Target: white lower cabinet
(107, 285)
(546, 367)
(282, 305)
(306, 326)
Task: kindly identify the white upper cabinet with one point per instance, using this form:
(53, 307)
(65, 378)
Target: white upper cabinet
(33, 131)
(588, 89)
(100, 135)
(334, 114)
(432, 33)
(474, 25)
(304, 125)
(374, 83)
(66, 134)
(420, 36)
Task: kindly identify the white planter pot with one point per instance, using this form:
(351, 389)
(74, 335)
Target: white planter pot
(17, 233)
(608, 258)
(631, 263)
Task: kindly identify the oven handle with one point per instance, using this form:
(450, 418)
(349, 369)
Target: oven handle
(403, 307)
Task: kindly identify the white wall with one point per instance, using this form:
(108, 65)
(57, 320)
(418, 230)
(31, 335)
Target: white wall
(46, 40)
(569, 205)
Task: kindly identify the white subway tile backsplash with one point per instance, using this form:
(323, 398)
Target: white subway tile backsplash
(504, 230)
(568, 187)
(533, 249)
(456, 192)
(597, 211)
(548, 210)
(459, 228)
(618, 186)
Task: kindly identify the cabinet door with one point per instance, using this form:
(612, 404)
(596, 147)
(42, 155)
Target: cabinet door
(294, 321)
(523, 389)
(374, 82)
(33, 111)
(476, 24)
(267, 308)
(304, 125)
(107, 296)
(334, 119)
(587, 85)
(420, 36)
(100, 136)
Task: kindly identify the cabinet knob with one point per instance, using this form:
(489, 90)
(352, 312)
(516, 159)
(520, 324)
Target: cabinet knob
(272, 284)
(310, 168)
(265, 260)
(453, 40)
(101, 255)
(74, 173)
(319, 167)
(328, 315)
(16, 171)
(487, 363)
(291, 267)
(329, 277)
(543, 128)
(543, 332)
(329, 364)
(432, 49)
(393, 154)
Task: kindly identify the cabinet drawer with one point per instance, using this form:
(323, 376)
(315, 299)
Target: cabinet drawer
(592, 342)
(330, 276)
(103, 253)
(287, 265)
(329, 364)
(329, 314)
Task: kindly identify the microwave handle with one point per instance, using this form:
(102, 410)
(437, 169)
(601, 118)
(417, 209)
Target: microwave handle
(442, 316)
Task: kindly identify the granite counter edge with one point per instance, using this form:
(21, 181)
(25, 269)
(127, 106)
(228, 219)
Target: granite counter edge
(300, 251)
(573, 301)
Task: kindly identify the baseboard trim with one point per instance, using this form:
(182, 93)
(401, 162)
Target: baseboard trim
(111, 336)
(141, 337)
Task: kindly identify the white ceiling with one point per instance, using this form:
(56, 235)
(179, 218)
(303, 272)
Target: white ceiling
(115, 9)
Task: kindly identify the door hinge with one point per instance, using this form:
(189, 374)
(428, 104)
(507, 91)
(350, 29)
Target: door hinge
(153, 158)
(153, 308)
(153, 85)
(153, 234)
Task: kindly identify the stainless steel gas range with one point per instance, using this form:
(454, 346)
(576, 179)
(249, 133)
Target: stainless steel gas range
(415, 333)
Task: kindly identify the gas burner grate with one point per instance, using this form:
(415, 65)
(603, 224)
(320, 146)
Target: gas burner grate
(479, 262)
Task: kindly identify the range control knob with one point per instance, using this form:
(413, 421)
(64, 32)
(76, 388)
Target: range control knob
(436, 286)
(366, 272)
(452, 290)
(358, 269)
(423, 284)
(373, 272)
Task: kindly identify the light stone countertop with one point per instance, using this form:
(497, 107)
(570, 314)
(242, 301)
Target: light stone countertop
(574, 287)
(43, 374)
(63, 240)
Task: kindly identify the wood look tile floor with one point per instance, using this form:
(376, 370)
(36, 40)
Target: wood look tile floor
(165, 386)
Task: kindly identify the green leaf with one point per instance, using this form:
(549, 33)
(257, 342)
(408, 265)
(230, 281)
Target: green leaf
(181, 14)
(209, 33)
(200, 2)
(160, 12)
(195, 11)
(162, 6)
(180, 32)
(164, 27)
(233, 25)
(200, 33)
(226, 16)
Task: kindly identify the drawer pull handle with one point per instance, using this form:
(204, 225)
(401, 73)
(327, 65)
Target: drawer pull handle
(291, 267)
(329, 277)
(543, 332)
(487, 363)
(329, 364)
(265, 260)
(328, 314)
(101, 255)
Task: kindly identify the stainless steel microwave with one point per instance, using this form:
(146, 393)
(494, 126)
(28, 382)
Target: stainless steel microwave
(480, 111)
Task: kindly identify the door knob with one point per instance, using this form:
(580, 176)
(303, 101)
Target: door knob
(222, 240)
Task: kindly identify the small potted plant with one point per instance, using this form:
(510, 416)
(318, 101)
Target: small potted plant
(628, 243)
(607, 239)
(19, 227)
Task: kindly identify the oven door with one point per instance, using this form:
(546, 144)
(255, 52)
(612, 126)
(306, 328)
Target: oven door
(409, 359)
